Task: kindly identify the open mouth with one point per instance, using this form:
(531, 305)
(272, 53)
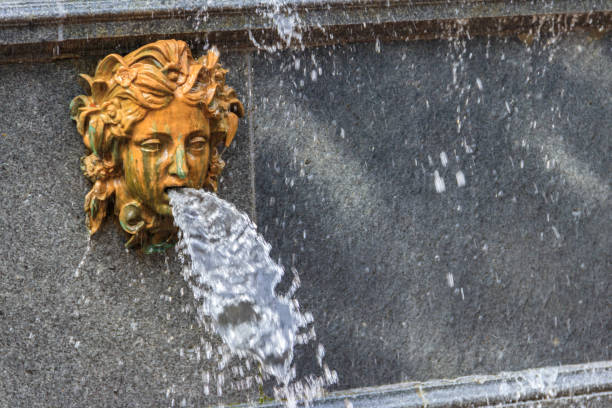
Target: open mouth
(167, 190)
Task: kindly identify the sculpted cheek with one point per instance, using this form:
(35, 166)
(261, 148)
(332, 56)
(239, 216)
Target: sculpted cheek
(151, 176)
(201, 164)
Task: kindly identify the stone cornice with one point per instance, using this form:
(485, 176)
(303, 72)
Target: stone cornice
(60, 29)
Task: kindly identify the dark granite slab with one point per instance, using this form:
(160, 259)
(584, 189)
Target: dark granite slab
(507, 268)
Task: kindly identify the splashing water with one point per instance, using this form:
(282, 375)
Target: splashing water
(233, 278)
(286, 22)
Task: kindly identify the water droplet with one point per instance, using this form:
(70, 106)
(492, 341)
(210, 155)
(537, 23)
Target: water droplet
(460, 178)
(443, 159)
(439, 182)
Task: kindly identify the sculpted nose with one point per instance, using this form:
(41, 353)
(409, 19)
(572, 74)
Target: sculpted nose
(178, 166)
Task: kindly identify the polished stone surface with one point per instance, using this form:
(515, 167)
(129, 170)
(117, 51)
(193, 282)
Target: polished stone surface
(508, 267)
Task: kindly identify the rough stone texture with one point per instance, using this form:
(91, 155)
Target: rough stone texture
(121, 333)
(511, 270)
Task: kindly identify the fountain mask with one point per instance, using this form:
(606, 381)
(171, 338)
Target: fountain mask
(153, 120)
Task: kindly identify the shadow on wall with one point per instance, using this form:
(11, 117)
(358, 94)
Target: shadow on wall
(444, 202)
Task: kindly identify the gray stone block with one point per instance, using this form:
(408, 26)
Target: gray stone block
(508, 271)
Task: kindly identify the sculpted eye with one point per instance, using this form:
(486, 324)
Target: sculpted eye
(197, 144)
(151, 145)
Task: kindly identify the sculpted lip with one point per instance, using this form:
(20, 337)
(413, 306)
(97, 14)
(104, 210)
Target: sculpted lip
(166, 196)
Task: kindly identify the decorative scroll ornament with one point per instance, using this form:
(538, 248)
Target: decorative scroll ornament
(152, 120)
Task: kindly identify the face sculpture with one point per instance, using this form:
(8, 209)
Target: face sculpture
(154, 121)
(164, 153)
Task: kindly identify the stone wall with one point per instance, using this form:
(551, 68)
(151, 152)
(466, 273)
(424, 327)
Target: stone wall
(507, 268)
(510, 270)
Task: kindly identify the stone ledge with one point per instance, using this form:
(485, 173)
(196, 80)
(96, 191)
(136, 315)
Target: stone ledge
(47, 29)
(563, 386)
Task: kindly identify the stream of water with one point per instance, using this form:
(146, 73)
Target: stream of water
(233, 278)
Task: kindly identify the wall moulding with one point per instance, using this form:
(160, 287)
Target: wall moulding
(47, 30)
(584, 385)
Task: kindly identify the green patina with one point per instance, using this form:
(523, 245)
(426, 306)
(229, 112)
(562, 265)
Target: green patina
(133, 184)
(124, 225)
(158, 248)
(91, 134)
(158, 163)
(130, 159)
(149, 168)
(72, 110)
(93, 208)
(115, 151)
(180, 158)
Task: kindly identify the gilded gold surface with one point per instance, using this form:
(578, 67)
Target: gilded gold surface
(152, 120)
